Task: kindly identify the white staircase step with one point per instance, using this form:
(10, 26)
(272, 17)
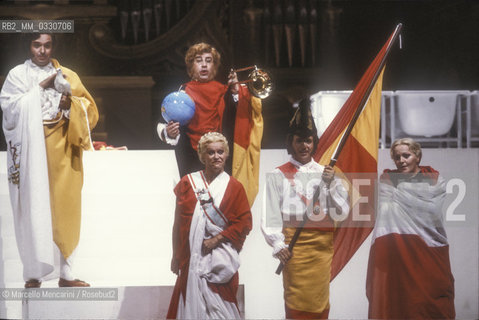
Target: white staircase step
(135, 302)
(10, 309)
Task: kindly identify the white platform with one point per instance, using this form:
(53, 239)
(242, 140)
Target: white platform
(133, 303)
(125, 242)
(145, 302)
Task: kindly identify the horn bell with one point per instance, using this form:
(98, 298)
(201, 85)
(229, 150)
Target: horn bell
(261, 85)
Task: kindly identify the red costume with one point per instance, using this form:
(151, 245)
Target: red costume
(215, 111)
(209, 109)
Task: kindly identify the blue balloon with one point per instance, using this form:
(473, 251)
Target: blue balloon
(178, 107)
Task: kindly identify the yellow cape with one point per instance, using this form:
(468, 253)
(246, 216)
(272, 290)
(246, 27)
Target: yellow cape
(65, 142)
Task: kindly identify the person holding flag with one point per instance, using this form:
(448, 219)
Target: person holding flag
(298, 188)
(229, 109)
(350, 145)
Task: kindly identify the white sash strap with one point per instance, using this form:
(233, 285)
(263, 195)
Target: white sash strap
(203, 195)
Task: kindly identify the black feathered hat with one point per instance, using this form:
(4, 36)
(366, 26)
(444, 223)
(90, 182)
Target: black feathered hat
(302, 124)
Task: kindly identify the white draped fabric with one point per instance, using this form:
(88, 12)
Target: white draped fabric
(21, 101)
(412, 208)
(216, 267)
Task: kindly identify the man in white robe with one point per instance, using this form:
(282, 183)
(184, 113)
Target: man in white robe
(46, 121)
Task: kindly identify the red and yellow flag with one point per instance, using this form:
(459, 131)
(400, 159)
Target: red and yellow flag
(358, 122)
(247, 143)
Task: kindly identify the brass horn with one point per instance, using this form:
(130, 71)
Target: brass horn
(259, 82)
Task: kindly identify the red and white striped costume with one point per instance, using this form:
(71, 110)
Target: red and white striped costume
(409, 273)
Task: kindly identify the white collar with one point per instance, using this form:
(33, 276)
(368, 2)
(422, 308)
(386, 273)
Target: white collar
(47, 67)
(310, 165)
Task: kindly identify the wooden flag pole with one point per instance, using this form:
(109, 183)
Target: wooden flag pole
(345, 136)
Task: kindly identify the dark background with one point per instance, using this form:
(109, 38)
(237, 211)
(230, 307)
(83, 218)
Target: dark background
(440, 50)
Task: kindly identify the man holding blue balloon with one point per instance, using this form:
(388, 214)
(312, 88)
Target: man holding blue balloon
(229, 109)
